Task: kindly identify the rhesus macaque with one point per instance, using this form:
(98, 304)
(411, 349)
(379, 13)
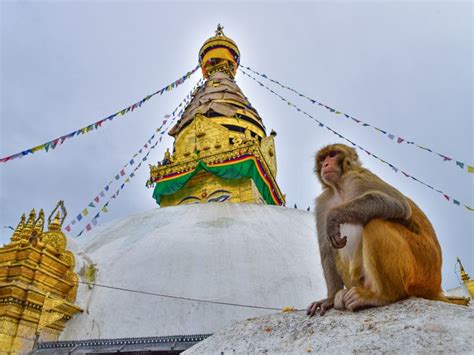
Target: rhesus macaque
(376, 245)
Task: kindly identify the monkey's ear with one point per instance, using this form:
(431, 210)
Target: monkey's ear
(351, 161)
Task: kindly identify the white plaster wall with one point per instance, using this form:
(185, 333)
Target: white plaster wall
(240, 253)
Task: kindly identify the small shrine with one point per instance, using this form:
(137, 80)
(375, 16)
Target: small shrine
(221, 151)
(38, 284)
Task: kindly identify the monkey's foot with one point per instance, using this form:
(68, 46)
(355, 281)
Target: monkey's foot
(358, 298)
(339, 300)
(322, 306)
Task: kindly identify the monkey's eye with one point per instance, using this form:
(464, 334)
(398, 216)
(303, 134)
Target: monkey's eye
(333, 153)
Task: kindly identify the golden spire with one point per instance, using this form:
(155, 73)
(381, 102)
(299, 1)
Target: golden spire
(39, 223)
(30, 224)
(468, 283)
(219, 30)
(219, 128)
(55, 224)
(219, 53)
(54, 237)
(464, 275)
(17, 233)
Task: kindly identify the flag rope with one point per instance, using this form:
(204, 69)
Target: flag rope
(148, 145)
(460, 164)
(321, 125)
(98, 124)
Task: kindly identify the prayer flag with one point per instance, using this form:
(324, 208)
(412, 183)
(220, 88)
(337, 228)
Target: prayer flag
(79, 217)
(470, 169)
(117, 177)
(391, 136)
(446, 197)
(96, 199)
(85, 212)
(68, 228)
(456, 202)
(122, 172)
(399, 140)
(107, 188)
(73, 222)
(88, 227)
(469, 208)
(94, 222)
(91, 204)
(104, 209)
(460, 164)
(39, 147)
(445, 158)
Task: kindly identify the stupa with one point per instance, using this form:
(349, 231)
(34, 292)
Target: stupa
(220, 248)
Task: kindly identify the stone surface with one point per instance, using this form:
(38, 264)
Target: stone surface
(410, 326)
(229, 252)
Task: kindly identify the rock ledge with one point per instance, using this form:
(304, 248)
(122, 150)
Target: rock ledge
(410, 326)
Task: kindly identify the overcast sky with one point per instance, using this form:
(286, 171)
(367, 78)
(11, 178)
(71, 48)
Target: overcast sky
(405, 67)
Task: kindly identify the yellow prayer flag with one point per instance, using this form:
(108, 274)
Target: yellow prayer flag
(85, 212)
(39, 147)
(470, 169)
(469, 208)
(104, 209)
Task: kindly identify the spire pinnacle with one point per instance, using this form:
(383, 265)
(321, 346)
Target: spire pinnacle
(219, 31)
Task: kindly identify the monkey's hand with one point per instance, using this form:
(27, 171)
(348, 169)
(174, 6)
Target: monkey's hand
(333, 232)
(320, 306)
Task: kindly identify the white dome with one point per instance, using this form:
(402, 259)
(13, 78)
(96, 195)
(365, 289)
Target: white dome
(239, 253)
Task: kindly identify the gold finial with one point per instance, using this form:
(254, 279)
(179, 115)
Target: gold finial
(219, 31)
(39, 223)
(26, 231)
(55, 225)
(17, 233)
(59, 217)
(464, 275)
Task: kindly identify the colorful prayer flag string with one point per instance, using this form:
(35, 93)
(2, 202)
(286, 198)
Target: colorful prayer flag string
(460, 164)
(148, 145)
(322, 125)
(96, 125)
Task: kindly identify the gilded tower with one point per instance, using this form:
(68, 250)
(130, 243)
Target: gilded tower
(221, 150)
(38, 285)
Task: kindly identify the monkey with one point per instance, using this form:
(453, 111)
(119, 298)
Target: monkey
(376, 245)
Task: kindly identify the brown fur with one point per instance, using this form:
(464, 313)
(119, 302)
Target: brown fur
(398, 256)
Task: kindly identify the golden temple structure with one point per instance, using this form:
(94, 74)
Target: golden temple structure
(38, 284)
(467, 281)
(221, 150)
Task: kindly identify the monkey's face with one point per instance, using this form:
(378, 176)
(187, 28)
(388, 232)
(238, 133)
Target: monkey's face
(333, 161)
(331, 170)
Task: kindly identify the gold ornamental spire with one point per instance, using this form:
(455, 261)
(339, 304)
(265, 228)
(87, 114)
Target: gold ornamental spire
(38, 283)
(468, 283)
(219, 54)
(221, 151)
